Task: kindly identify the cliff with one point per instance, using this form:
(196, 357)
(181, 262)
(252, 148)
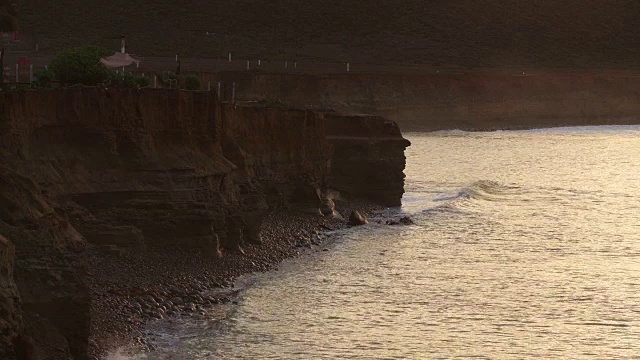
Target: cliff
(139, 169)
(368, 160)
(11, 324)
(478, 100)
(50, 271)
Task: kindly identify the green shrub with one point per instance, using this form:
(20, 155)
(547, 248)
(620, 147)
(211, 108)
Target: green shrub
(80, 65)
(192, 83)
(43, 79)
(166, 76)
(122, 80)
(143, 81)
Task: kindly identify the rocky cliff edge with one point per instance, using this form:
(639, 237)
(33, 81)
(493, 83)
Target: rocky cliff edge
(137, 169)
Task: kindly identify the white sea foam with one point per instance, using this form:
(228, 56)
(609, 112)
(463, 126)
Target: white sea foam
(568, 130)
(605, 129)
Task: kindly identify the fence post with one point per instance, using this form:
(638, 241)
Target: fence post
(233, 93)
(295, 65)
(286, 64)
(229, 57)
(17, 73)
(219, 84)
(348, 67)
(155, 81)
(258, 62)
(248, 62)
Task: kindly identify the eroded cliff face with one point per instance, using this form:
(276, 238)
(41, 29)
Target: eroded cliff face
(368, 160)
(477, 100)
(283, 154)
(127, 170)
(11, 319)
(50, 271)
(159, 167)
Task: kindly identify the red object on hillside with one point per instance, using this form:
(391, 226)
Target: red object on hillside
(22, 60)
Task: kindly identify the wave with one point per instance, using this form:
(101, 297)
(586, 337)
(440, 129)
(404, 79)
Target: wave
(464, 199)
(487, 190)
(454, 132)
(565, 130)
(586, 130)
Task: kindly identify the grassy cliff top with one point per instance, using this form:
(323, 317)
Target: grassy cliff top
(590, 33)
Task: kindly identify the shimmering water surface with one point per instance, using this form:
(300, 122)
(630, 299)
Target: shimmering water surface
(526, 245)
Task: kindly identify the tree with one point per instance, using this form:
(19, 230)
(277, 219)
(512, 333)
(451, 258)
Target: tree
(8, 23)
(80, 65)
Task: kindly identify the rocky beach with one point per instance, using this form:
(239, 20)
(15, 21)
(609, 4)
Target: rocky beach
(129, 290)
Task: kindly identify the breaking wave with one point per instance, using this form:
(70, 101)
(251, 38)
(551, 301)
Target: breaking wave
(567, 130)
(475, 194)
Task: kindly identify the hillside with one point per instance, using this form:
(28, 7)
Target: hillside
(583, 33)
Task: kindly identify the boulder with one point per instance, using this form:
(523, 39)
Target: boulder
(327, 207)
(406, 221)
(357, 219)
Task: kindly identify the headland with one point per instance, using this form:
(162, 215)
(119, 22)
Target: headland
(124, 205)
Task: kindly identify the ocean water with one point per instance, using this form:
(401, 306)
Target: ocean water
(526, 244)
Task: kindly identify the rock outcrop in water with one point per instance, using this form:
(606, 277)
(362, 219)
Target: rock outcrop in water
(127, 170)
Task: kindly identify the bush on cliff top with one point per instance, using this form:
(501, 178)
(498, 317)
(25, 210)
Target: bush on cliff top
(192, 83)
(121, 80)
(143, 81)
(43, 80)
(80, 65)
(127, 80)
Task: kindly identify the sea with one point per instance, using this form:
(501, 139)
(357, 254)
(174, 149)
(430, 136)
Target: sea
(526, 245)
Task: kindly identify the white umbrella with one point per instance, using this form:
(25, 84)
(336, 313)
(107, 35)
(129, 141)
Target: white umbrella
(118, 60)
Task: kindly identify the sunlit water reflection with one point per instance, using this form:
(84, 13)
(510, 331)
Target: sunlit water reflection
(526, 245)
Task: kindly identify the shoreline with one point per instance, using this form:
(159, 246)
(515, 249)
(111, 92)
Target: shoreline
(490, 126)
(130, 290)
(521, 129)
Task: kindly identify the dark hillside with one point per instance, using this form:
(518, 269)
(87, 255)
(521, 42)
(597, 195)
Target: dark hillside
(468, 32)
